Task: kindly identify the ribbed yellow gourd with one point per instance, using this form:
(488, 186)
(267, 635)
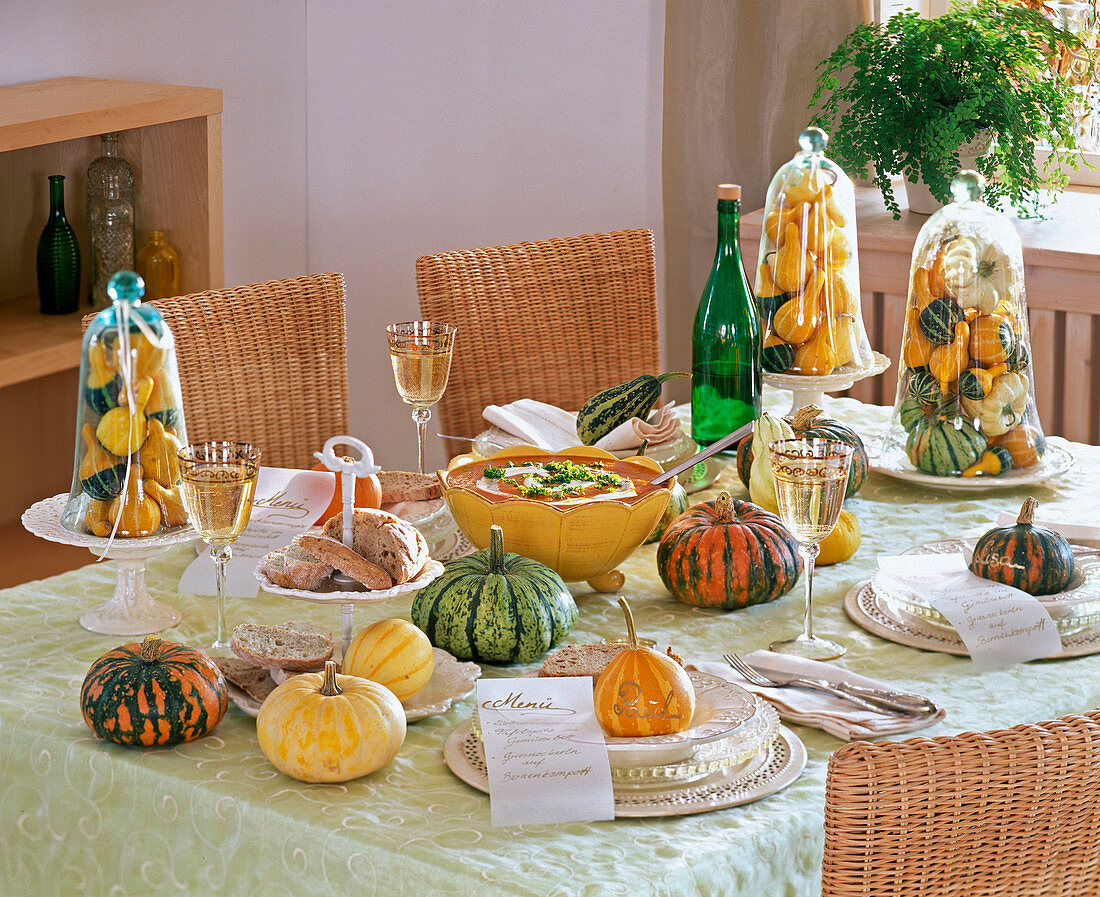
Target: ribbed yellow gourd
(765, 286)
(798, 317)
(791, 264)
(922, 292)
(173, 512)
(837, 252)
(325, 727)
(832, 207)
(817, 357)
(97, 518)
(775, 224)
(807, 188)
(122, 430)
(643, 692)
(840, 299)
(158, 456)
(817, 229)
(841, 544)
(845, 338)
(948, 361)
(393, 653)
(917, 346)
(137, 514)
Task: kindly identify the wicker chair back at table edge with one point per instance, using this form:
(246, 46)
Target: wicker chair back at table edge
(1008, 812)
(555, 320)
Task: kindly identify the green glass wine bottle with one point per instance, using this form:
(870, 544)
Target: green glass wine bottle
(725, 341)
(58, 257)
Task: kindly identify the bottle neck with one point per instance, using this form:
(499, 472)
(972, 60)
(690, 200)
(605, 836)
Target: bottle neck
(109, 143)
(57, 197)
(729, 228)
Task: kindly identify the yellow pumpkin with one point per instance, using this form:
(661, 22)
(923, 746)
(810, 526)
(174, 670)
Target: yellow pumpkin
(791, 264)
(643, 692)
(393, 653)
(324, 727)
(137, 514)
(841, 543)
(991, 340)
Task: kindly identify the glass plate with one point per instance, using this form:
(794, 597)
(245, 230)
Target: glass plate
(1056, 461)
(1073, 610)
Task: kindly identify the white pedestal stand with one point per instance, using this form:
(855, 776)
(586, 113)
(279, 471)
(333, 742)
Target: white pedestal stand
(809, 390)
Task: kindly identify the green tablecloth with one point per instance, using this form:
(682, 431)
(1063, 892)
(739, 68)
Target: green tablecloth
(83, 817)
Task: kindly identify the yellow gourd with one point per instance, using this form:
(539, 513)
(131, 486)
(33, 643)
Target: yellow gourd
(922, 292)
(768, 429)
(765, 286)
(817, 230)
(817, 357)
(948, 361)
(837, 252)
(158, 456)
(791, 264)
(163, 402)
(97, 518)
(393, 653)
(990, 340)
(840, 299)
(833, 208)
(122, 430)
(798, 317)
(807, 188)
(173, 512)
(643, 692)
(842, 543)
(845, 338)
(1024, 444)
(147, 356)
(325, 727)
(775, 224)
(137, 514)
(917, 346)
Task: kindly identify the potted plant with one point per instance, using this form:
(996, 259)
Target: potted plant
(910, 94)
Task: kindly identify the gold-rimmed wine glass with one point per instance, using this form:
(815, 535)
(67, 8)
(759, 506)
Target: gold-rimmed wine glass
(420, 352)
(811, 476)
(218, 482)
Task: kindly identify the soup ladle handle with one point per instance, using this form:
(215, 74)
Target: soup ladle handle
(714, 448)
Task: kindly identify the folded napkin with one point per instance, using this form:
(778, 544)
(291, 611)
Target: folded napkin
(814, 708)
(549, 427)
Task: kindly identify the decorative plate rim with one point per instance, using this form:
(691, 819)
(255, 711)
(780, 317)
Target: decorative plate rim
(1056, 461)
(783, 761)
(43, 519)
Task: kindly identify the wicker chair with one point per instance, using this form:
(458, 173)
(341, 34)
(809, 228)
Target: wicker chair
(555, 320)
(264, 363)
(1009, 812)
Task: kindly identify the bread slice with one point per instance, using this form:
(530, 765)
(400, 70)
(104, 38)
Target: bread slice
(401, 485)
(346, 560)
(580, 660)
(294, 567)
(281, 646)
(384, 539)
(251, 678)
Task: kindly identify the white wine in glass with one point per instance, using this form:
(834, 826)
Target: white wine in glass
(420, 352)
(811, 476)
(218, 482)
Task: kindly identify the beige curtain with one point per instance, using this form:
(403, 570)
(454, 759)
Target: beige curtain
(738, 75)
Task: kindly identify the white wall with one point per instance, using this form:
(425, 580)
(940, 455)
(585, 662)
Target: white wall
(359, 135)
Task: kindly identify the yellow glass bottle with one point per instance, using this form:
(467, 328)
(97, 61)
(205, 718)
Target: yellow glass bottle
(159, 266)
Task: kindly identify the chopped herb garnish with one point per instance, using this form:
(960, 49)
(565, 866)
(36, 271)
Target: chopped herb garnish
(493, 473)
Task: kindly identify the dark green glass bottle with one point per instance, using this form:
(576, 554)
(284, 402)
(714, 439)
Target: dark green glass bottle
(725, 341)
(58, 257)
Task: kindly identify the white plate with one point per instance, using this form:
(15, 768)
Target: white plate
(779, 764)
(867, 609)
(334, 594)
(1056, 461)
(451, 681)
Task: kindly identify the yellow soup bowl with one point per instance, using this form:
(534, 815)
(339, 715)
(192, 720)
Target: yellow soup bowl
(582, 540)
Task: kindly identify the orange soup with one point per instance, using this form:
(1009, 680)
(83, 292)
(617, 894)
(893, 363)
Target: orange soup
(554, 479)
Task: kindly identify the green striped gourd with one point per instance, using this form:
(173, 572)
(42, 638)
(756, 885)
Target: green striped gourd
(495, 607)
(778, 356)
(925, 387)
(938, 319)
(153, 694)
(946, 445)
(809, 422)
(614, 406)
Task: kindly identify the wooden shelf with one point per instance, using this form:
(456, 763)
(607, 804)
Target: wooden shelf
(33, 345)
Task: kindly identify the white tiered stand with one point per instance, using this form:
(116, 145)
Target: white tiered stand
(808, 390)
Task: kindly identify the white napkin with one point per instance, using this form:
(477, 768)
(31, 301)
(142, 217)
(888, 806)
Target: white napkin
(549, 427)
(1078, 533)
(814, 708)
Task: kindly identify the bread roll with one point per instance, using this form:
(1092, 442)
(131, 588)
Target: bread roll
(385, 540)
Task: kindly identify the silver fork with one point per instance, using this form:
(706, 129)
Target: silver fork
(860, 695)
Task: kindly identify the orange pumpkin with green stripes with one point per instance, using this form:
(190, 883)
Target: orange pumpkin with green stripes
(153, 694)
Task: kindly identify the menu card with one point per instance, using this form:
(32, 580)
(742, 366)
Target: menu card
(286, 503)
(999, 625)
(545, 751)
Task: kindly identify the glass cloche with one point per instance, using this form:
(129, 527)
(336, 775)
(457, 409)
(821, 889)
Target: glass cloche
(126, 478)
(807, 276)
(965, 403)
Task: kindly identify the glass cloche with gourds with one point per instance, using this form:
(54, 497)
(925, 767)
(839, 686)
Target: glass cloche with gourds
(807, 276)
(126, 477)
(965, 404)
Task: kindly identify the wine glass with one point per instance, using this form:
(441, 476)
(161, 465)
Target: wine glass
(811, 476)
(218, 483)
(420, 353)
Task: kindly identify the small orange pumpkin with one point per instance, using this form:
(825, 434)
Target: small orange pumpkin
(643, 692)
(368, 494)
(1025, 445)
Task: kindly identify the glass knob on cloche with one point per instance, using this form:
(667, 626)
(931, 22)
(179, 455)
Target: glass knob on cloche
(965, 403)
(807, 276)
(126, 478)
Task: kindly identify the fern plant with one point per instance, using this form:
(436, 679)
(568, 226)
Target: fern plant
(905, 95)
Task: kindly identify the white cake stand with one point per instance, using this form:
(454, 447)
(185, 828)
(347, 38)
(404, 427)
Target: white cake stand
(131, 610)
(809, 390)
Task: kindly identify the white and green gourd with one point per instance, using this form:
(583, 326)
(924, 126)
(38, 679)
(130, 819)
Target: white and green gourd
(768, 429)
